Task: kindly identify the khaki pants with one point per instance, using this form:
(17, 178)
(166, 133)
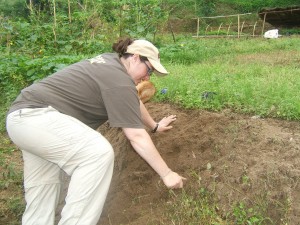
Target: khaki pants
(53, 143)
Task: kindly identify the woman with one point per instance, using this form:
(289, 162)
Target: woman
(54, 123)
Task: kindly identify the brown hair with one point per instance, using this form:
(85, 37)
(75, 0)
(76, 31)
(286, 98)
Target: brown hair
(120, 47)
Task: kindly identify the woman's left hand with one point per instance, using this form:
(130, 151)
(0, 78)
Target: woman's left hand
(164, 124)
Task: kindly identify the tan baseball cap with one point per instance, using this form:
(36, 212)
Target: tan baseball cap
(147, 49)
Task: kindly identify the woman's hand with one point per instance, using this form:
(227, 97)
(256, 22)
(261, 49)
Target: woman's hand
(172, 180)
(164, 124)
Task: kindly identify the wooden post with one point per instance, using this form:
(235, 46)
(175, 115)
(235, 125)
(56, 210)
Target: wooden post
(263, 27)
(120, 21)
(238, 25)
(254, 29)
(242, 26)
(30, 6)
(206, 29)
(54, 18)
(69, 9)
(220, 28)
(228, 28)
(198, 21)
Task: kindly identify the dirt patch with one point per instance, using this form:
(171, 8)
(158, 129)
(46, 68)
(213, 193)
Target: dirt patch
(236, 157)
(279, 57)
(239, 158)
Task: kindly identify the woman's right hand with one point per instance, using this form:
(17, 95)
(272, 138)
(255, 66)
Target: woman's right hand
(172, 180)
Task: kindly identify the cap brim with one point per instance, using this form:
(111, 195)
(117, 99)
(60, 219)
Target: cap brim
(159, 69)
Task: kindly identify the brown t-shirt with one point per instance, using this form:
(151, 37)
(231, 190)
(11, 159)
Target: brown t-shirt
(93, 91)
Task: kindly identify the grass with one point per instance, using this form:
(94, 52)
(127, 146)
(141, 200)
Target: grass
(11, 190)
(198, 205)
(257, 76)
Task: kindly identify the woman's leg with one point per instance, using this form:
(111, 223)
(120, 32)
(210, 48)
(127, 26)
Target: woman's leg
(89, 183)
(42, 181)
(80, 151)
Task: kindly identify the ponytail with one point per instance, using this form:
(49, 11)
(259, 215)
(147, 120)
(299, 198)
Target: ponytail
(120, 47)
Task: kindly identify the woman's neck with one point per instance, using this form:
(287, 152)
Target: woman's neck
(125, 63)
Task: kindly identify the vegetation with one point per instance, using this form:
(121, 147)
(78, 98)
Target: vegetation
(256, 5)
(254, 76)
(190, 207)
(12, 206)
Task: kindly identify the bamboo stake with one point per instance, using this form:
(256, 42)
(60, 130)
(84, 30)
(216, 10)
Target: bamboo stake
(69, 9)
(263, 27)
(54, 17)
(85, 5)
(30, 6)
(228, 28)
(254, 29)
(206, 29)
(242, 26)
(198, 21)
(239, 26)
(220, 28)
(120, 21)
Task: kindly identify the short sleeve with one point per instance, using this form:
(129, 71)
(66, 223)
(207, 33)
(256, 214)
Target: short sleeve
(123, 107)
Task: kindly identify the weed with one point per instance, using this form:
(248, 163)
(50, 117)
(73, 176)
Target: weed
(200, 206)
(11, 207)
(243, 215)
(190, 209)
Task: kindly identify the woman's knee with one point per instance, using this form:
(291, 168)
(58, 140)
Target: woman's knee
(107, 152)
(101, 151)
(105, 149)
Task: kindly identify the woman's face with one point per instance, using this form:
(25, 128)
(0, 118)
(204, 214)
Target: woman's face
(139, 70)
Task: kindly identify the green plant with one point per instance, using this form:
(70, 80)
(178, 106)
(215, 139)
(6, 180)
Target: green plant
(249, 216)
(16, 206)
(12, 206)
(199, 205)
(9, 174)
(192, 208)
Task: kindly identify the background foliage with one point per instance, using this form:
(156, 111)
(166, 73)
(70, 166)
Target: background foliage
(38, 37)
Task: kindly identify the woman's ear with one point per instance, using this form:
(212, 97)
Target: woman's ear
(136, 57)
(134, 60)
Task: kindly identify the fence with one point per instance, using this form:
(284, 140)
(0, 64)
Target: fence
(236, 29)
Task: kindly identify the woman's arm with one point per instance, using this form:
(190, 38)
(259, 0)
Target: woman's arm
(143, 145)
(150, 123)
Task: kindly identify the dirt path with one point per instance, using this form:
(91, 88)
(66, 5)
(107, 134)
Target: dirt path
(240, 158)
